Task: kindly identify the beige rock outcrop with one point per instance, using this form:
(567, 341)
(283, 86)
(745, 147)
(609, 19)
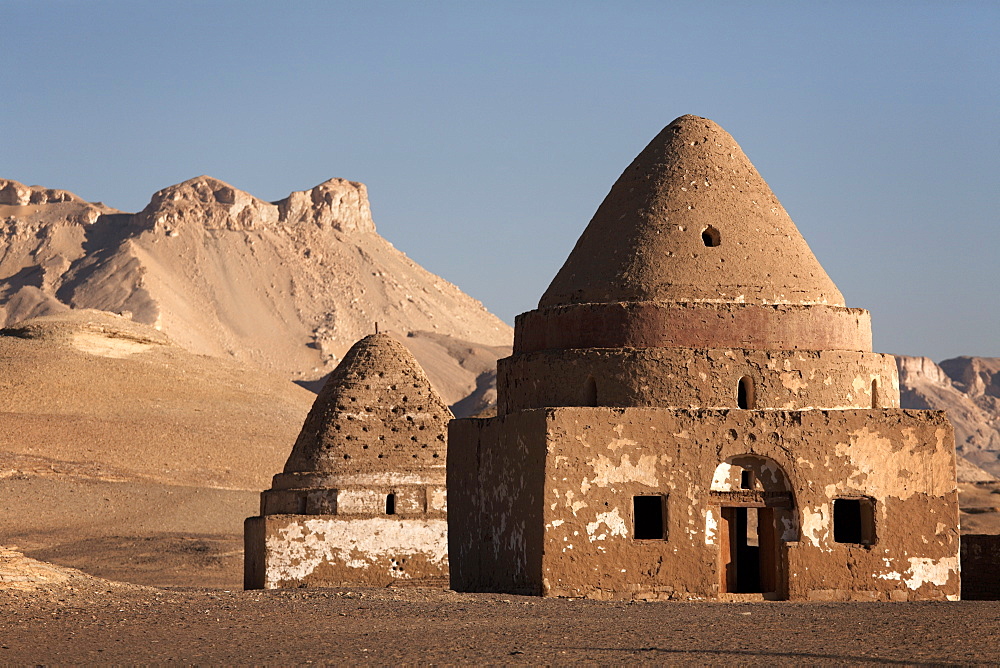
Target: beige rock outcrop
(336, 203)
(285, 286)
(18, 194)
(209, 203)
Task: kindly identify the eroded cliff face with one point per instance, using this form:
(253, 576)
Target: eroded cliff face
(968, 389)
(286, 286)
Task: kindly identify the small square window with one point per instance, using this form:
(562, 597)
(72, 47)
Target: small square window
(854, 521)
(649, 515)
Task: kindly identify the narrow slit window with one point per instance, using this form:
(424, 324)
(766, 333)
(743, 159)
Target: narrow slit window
(711, 237)
(745, 393)
(874, 394)
(854, 521)
(649, 515)
(390, 504)
(590, 392)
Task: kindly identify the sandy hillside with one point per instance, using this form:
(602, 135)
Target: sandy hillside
(285, 286)
(968, 388)
(129, 457)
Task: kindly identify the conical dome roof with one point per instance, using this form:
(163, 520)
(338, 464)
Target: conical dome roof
(691, 220)
(376, 412)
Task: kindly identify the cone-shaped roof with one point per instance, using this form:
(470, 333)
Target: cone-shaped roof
(691, 220)
(376, 412)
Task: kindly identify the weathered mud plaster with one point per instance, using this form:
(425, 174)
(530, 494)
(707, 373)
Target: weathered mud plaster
(692, 412)
(326, 550)
(362, 498)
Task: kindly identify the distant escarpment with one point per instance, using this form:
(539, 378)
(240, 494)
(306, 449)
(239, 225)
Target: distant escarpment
(285, 286)
(968, 388)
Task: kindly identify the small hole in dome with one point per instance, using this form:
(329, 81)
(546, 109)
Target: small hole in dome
(435, 455)
(346, 456)
(364, 447)
(711, 237)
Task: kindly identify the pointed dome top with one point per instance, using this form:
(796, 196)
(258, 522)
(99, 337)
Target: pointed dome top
(691, 220)
(376, 412)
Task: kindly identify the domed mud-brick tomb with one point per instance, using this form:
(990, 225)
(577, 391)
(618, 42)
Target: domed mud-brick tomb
(362, 496)
(693, 412)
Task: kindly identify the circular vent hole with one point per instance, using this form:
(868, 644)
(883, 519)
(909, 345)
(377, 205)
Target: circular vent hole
(711, 237)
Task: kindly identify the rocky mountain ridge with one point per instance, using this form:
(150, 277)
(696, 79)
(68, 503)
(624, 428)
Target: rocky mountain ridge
(284, 286)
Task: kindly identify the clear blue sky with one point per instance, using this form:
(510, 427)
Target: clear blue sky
(488, 133)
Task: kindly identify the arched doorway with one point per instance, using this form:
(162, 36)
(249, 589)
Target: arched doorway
(756, 509)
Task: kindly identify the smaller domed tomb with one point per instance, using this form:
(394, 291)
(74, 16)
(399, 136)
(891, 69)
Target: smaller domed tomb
(362, 497)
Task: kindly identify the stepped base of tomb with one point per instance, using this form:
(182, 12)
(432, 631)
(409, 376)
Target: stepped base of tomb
(286, 551)
(651, 503)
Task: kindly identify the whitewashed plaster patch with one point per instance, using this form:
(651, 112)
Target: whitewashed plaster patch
(607, 472)
(711, 526)
(924, 570)
(298, 549)
(612, 520)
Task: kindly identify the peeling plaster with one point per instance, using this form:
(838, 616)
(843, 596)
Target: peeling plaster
(814, 524)
(614, 522)
(619, 443)
(878, 473)
(720, 481)
(607, 472)
(711, 526)
(299, 548)
(924, 570)
(793, 381)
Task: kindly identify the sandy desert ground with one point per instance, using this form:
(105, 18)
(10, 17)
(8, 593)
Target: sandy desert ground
(80, 619)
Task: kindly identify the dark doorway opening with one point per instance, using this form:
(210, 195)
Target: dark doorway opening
(390, 504)
(649, 517)
(749, 551)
